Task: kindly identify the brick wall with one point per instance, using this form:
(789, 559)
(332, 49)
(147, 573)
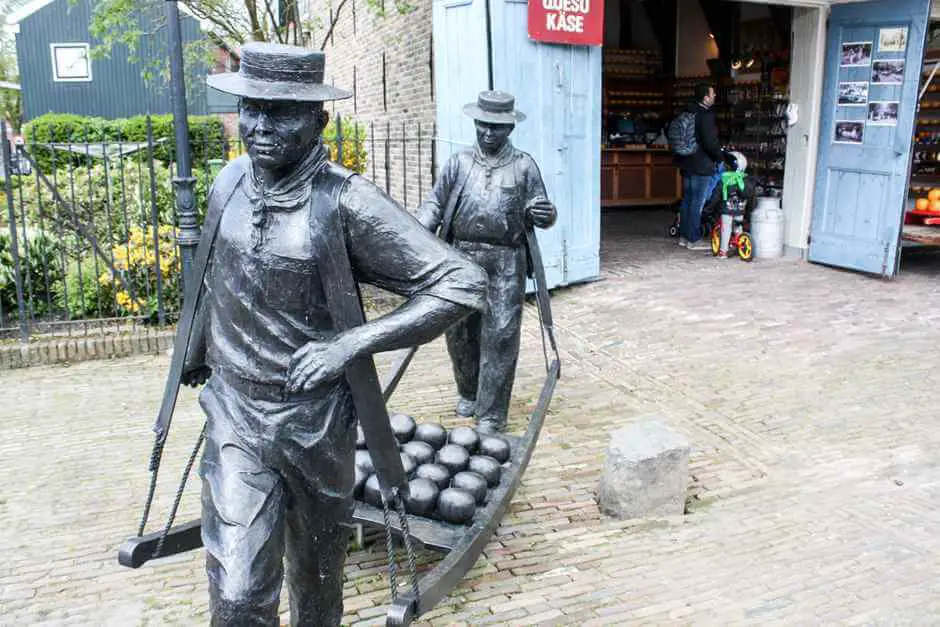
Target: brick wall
(386, 62)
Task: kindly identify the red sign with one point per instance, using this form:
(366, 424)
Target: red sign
(578, 22)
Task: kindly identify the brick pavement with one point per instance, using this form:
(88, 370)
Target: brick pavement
(805, 391)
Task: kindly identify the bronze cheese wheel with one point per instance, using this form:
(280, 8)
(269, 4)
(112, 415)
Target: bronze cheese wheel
(422, 452)
(437, 474)
(453, 457)
(486, 466)
(456, 506)
(422, 497)
(431, 433)
(371, 492)
(403, 426)
(465, 437)
(495, 447)
(472, 482)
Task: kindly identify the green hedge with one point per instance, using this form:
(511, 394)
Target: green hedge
(206, 135)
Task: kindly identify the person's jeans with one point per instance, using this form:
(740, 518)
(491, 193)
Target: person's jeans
(695, 192)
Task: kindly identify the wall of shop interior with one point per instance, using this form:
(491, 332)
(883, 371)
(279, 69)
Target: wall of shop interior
(693, 45)
(806, 84)
(641, 35)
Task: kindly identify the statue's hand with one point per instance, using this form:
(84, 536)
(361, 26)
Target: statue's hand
(194, 377)
(541, 214)
(317, 363)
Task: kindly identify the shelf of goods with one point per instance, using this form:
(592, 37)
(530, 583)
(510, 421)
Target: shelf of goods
(922, 215)
(925, 168)
(631, 64)
(633, 174)
(631, 82)
(753, 119)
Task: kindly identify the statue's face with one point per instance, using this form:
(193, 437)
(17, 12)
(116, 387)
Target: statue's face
(492, 137)
(279, 134)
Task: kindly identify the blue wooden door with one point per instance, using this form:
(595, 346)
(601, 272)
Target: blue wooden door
(558, 87)
(874, 62)
(460, 70)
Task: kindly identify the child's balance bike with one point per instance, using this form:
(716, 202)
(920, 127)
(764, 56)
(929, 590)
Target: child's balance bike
(729, 235)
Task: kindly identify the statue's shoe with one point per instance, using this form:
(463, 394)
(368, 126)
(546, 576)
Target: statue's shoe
(465, 407)
(490, 426)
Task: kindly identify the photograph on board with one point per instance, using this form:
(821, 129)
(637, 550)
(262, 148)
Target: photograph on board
(883, 113)
(853, 94)
(849, 132)
(892, 39)
(856, 54)
(888, 72)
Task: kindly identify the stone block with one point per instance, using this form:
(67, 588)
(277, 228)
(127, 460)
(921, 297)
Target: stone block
(646, 472)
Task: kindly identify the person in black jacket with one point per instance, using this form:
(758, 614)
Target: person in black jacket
(699, 169)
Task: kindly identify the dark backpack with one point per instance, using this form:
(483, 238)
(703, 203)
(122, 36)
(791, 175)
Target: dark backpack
(681, 134)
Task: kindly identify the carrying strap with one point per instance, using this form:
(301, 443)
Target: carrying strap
(537, 267)
(542, 298)
(451, 210)
(184, 327)
(344, 303)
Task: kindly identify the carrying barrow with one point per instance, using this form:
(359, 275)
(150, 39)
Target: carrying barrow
(461, 544)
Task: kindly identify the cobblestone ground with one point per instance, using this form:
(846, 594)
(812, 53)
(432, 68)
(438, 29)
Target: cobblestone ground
(808, 394)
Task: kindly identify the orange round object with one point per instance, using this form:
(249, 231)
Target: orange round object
(935, 206)
(933, 195)
(922, 204)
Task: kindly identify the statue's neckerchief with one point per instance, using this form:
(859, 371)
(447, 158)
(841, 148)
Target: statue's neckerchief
(490, 163)
(287, 194)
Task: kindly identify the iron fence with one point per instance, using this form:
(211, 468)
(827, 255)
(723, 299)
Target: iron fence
(88, 243)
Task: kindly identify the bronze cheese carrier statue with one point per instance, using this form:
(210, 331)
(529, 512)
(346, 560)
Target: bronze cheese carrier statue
(298, 440)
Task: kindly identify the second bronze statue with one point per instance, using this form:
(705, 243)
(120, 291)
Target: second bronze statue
(485, 199)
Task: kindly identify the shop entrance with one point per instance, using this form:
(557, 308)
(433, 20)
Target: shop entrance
(656, 52)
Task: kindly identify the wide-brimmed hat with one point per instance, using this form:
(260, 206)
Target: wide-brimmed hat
(496, 107)
(278, 72)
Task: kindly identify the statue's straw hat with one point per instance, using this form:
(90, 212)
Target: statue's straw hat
(278, 72)
(496, 107)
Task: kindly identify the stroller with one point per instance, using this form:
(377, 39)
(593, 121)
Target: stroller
(711, 212)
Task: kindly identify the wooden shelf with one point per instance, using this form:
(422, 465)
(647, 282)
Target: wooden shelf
(638, 176)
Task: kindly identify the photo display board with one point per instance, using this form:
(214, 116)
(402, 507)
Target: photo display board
(871, 73)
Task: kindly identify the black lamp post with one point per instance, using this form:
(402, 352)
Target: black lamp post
(183, 181)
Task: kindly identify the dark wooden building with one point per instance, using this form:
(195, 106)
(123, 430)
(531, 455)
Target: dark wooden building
(59, 75)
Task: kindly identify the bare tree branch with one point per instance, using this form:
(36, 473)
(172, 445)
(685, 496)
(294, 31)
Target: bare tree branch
(275, 26)
(256, 31)
(333, 21)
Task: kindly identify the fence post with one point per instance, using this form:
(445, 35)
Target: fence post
(14, 243)
(404, 166)
(155, 223)
(339, 138)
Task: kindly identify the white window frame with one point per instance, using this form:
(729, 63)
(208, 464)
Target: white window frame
(55, 70)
